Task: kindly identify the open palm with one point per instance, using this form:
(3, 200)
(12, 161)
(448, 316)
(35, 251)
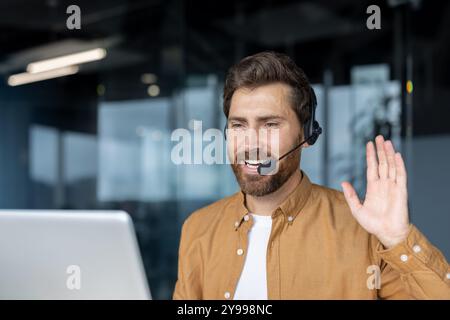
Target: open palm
(384, 212)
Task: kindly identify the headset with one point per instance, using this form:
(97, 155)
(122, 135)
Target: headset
(311, 131)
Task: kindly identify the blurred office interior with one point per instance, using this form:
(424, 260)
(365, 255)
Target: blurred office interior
(100, 138)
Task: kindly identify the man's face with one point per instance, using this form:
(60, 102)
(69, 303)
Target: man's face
(264, 116)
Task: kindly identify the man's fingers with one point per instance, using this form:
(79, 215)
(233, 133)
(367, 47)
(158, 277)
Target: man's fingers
(383, 168)
(401, 170)
(390, 155)
(372, 163)
(352, 197)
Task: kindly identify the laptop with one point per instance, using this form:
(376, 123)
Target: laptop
(70, 254)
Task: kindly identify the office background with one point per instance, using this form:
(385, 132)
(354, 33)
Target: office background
(100, 139)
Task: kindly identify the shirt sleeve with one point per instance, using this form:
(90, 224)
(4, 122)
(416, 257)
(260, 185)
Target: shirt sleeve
(187, 286)
(413, 269)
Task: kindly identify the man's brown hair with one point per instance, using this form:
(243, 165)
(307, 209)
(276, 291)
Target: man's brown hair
(266, 68)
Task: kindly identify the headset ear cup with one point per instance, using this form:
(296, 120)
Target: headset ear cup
(312, 139)
(316, 131)
(307, 130)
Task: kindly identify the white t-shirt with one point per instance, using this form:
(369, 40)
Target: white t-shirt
(252, 284)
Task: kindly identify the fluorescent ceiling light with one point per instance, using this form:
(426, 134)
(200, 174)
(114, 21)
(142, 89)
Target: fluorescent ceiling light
(23, 78)
(67, 60)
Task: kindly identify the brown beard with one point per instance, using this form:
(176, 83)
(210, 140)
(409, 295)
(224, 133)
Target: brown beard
(259, 185)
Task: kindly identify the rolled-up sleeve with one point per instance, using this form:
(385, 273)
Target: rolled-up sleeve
(414, 269)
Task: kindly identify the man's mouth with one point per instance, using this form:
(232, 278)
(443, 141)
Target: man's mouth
(256, 163)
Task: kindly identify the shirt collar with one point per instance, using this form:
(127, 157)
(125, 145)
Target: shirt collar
(290, 207)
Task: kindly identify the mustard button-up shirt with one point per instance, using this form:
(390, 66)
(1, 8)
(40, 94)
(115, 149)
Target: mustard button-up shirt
(316, 250)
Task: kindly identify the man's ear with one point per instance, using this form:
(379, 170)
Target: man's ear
(306, 144)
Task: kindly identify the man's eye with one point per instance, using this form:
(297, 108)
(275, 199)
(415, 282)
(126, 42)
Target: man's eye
(271, 124)
(236, 125)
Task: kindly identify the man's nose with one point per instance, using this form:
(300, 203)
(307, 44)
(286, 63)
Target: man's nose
(251, 139)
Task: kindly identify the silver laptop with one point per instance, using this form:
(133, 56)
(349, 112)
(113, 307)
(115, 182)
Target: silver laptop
(69, 254)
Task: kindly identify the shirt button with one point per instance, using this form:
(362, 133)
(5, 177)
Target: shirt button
(246, 217)
(417, 248)
(236, 224)
(227, 295)
(290, 218)
(448, 275)
(240, 252)
(404, 257)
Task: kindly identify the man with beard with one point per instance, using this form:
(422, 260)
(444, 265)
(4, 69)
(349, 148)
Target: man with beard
(283, 237)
